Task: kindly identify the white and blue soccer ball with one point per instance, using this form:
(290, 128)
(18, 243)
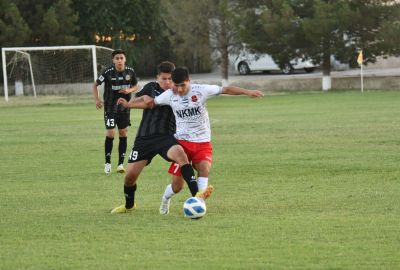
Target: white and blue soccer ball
(194, 208)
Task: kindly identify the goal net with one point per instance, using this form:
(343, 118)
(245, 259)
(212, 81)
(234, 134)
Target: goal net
(52, 70)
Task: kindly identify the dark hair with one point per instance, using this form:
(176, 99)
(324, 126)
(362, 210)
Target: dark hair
(165, 67)
(118, 51)
(180, 75)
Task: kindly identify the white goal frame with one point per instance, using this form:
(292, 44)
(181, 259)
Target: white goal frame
(24, 50)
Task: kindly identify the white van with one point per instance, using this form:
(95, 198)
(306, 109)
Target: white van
(246, 63)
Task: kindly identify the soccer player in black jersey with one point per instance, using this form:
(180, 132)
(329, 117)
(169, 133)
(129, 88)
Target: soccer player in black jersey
(120, 81)
(155, 136)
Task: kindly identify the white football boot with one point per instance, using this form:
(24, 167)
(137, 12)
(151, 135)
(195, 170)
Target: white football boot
(164, 207)
(107, 168)
(120, 168)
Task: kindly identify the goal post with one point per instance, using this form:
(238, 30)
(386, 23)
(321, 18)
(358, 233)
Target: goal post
(52, 69)
(27, 55)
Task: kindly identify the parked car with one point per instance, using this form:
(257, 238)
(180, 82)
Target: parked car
(246, 63)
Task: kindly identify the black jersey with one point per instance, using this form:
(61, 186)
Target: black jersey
(159, 120)
(114, 81)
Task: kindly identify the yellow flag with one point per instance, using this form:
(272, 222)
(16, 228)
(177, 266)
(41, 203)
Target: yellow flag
(360, 58)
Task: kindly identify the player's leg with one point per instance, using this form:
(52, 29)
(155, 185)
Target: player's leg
(140, 156)
(123, 139)
(177, 154)
(203, 168)
(202, 161)
(170, 150)
(180, 167)
(133, 171)
(109, 122)
(177, 184)
(172, 189)
(108, 146)
(123, 121)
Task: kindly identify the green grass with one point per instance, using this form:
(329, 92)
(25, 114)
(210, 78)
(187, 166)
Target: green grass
(303, 181)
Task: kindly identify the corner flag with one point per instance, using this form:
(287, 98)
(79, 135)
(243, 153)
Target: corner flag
(360, 58)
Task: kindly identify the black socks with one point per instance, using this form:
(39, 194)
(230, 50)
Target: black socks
(122, 149)
(108, 145)
(129, 196)
(188, 175)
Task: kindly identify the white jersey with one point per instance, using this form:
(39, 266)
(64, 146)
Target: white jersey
(191, 115)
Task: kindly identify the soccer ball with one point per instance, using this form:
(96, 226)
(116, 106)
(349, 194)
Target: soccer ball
(194, 208)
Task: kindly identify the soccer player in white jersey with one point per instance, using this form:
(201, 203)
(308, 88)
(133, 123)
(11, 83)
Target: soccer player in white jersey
(188, 103)
(155, 136)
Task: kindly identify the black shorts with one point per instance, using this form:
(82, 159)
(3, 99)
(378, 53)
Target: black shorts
(121, 120)
(146, 148)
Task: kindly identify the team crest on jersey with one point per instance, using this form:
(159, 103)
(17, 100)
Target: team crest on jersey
(128, 77)
(194, 98)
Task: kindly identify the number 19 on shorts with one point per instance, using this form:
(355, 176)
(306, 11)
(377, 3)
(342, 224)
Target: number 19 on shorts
(133, 155)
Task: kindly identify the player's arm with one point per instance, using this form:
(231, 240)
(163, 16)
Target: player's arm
(134, 85)
(233, 90)
(97, 99)
(142, 102)
(129, 90)
(164, 98)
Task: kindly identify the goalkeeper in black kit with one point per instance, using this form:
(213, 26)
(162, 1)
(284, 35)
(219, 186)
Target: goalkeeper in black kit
(119, 82)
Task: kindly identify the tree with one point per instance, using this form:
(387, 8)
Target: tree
(14, 31)
(133, 25)
(50, 22)
(224, 35)
(58, 26)
(203, 29)
(188, 27)
(319, 29)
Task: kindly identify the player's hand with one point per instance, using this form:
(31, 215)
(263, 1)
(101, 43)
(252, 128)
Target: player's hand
(123, 102)
(99, 104)
(256, 93)
(124, 91)
(151, 104)
(149, 101)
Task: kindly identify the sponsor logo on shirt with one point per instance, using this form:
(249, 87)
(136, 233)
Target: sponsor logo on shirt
(119, 87)
(188, 112)
(119, 78)
(101, 78)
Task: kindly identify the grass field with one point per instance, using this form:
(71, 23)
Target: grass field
(303, 181)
